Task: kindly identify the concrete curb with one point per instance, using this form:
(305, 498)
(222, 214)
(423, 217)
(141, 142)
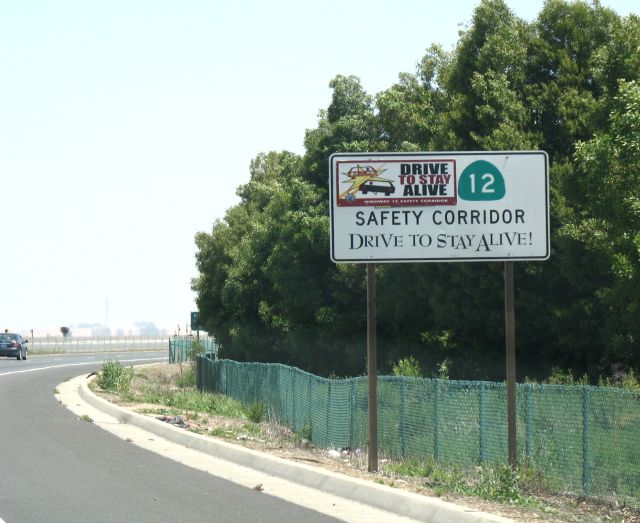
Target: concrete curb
(403, 503)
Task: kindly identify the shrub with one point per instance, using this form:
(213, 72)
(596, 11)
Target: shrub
(197, 349)
(499, 483)
(256, 412)
(623, 379)
(560, 377)
(306, 431)
(407, 367)
(115, 377)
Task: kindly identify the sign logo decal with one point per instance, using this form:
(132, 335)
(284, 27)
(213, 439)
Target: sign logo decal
(414, 184)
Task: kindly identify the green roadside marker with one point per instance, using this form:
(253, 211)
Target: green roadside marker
(481, 181)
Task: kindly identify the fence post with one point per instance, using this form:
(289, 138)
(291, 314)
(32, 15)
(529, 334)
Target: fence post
(586, 471)
(528, 413)
(199, 374)
(328, 414)
(403, 416)
(309, 406)
(293, 399)
(483, 443)
(224, 377)
(436, 424)
(352, 414)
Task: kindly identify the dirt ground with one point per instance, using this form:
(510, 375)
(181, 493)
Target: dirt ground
(280, 441)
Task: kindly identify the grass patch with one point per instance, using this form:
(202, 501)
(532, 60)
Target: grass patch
(187, 377)
(86, 418)
(192, 400)
(160, 412)
(412, 468)
(493, 482)
(220, 432)
(252, 429)
(305, 433)
(175, 397)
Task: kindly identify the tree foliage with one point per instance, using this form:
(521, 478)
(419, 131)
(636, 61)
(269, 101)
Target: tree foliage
(566, 83)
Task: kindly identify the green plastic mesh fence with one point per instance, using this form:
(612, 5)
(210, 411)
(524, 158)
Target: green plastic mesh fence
(180, 348)
(584, 440)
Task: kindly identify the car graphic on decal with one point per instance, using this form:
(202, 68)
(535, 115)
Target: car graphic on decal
(378, 186)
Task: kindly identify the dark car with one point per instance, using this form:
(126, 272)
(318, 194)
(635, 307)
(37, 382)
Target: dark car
(12, 344)
(376, 186)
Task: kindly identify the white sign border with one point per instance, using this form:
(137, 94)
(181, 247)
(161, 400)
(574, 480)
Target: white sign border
(376, 156)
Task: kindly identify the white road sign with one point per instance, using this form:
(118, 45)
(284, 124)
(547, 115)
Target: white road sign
(444, 206)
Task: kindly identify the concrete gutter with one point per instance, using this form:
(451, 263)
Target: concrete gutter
(407, 504)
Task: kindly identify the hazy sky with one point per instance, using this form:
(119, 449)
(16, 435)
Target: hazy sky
(127, 125)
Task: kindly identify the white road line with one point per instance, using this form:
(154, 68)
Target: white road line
(76, 365)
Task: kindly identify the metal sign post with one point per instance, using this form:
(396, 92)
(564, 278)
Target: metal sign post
(510, 335)
(372, 365)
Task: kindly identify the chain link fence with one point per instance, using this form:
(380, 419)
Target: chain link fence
(584, 440)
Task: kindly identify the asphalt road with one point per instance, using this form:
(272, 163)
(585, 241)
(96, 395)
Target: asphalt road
(57, 468)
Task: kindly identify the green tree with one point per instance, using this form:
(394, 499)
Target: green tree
(568, 94)
(408, 113)
(562, 90)
(230, 262)
(608, 176)
(348, 124)
(484, 84)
